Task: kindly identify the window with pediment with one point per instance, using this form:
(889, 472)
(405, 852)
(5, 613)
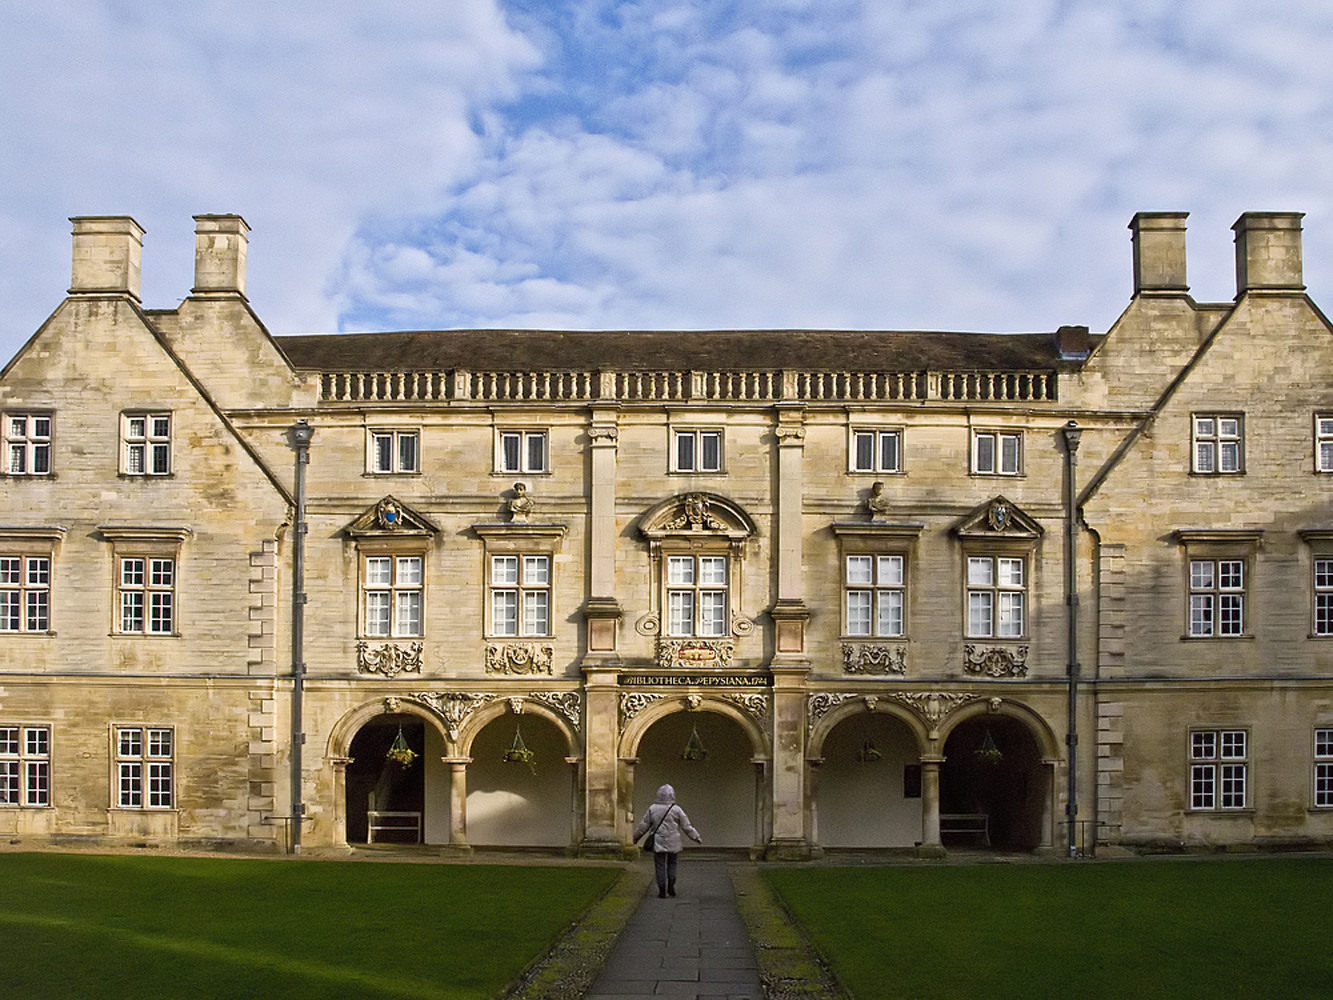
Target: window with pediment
(392, 545)
(696, 542)
(999, 547)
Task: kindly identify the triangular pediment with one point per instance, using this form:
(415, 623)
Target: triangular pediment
(390, 517)
(998, 517)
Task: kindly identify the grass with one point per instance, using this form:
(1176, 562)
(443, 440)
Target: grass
(155, 928)
(1158, 930)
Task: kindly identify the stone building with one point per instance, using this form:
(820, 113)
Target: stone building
(842, 588)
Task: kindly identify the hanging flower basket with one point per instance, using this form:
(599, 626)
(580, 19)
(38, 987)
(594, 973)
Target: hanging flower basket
(694, 748)
(988, 752)
(399, 752)
(518, 752)
(869, 753)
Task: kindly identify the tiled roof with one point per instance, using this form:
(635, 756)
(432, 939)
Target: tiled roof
(661, 350)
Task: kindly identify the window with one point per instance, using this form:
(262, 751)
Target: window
(996, 595)
(876, 451)
(1219, 769)
(25, 766)
(25, 593)
(1323, 768)
(696, 591)
(520, 595)
(875, 595)
(393, 588)
(522, 451)
(146, 441)
(144, 770)
(147, 595)
(994, 453)
(28, 437)
(1218, 444)
(1323, 597)
(1323, 442)
(394, 451)
(1217, 597)
(698, 451)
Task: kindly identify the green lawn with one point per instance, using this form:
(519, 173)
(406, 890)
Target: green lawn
(1233, 929)
(152, 928)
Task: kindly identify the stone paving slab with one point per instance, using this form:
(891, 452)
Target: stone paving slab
(691, 947)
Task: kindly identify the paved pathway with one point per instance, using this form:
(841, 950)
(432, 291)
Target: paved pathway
(692, 947)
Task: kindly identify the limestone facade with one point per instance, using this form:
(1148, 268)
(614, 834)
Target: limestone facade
(842, 588)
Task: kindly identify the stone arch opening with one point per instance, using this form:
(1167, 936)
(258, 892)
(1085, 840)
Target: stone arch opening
(868, 784)
(995, 767)
(515, 800)
(376, 785)
(719, 791)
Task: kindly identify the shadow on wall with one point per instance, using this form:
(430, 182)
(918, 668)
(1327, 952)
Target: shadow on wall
(717, 791)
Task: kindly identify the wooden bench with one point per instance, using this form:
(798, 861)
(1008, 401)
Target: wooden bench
(975, 824)
(378, 821)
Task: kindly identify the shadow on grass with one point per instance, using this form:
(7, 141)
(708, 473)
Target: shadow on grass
(100, 926)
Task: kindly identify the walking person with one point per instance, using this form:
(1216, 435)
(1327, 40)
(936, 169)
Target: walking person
(667, 821)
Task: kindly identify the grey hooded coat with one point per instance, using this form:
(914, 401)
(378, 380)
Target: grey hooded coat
(667, 838)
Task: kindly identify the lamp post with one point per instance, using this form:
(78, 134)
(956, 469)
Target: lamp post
(1072, 432)
(300, 434)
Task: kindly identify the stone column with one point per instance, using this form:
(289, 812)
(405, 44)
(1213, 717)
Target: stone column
(602, 800)
(790, 613)
(931, 845)
(458, 803)
(812, 802)
(340, 800)
(788, 784)
(602, 611)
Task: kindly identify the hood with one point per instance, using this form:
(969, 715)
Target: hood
(666, 794)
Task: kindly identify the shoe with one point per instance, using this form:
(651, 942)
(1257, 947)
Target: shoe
(671, 889)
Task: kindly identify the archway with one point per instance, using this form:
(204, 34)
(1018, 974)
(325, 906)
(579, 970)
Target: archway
(994, 768)
(377, 785)
(517, 800)
(868, 790)
(716, 785)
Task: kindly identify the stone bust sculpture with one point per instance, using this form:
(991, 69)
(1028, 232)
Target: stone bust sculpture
(520, 505)
(877, 503)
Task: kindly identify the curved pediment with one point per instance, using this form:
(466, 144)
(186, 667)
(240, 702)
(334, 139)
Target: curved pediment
(998, 518)
(390, 517)
(697, 514)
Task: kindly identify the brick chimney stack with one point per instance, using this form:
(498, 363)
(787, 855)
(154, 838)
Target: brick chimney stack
(107, 252)
(1268, 252)
(219, 254)
(1159, 252)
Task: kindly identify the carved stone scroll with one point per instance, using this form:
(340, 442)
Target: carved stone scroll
(389, 658)
(519, 658)
(695, 653)
(453, 707)
(995, 661)
(632, 703)
(566, 703)
(873, 658)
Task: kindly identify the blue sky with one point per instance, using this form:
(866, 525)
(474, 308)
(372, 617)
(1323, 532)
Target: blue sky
(889, 164)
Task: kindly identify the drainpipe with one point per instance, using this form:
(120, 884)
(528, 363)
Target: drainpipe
(300, 435)
(1072, 432)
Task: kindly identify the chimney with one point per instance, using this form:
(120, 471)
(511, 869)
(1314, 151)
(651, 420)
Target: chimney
(107, 252)
(219, 254)
(1268, 252)
(1159, 252)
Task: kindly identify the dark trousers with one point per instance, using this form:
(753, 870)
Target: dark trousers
(664, 864)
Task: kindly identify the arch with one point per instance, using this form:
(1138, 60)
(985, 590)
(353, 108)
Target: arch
(498, 707)
(345, 729)
(1046, 739)
(633, 732)
(820, 733)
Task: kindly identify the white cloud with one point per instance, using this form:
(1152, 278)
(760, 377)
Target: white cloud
(591, 163)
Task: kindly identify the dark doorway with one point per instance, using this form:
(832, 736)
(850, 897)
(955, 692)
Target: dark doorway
(377, 783)
(993, 768)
